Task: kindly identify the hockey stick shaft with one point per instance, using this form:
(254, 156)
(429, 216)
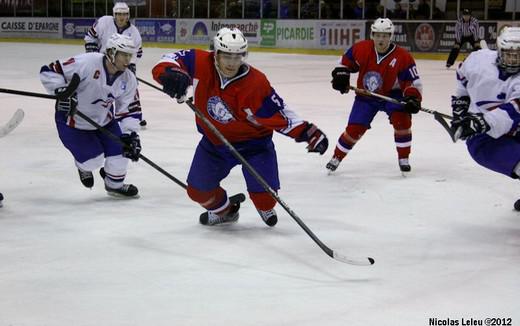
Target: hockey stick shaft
(393, 100)
(436, 114)
(100, 128)
(331, 253)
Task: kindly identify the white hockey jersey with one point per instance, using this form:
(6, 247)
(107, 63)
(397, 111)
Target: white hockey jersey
(101, 97)
(492, 93)
(105, 27)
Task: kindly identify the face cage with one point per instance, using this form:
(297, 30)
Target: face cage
(509, 60)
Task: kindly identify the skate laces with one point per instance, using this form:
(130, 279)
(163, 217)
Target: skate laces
(85, 174)
(267, 214)
(333, 163)
(214, 218)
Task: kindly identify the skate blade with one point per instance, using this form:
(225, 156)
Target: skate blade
(119, 196)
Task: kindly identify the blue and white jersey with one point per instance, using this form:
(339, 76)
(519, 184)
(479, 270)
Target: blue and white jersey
(492, 92)
(105, 27)
(100, 96)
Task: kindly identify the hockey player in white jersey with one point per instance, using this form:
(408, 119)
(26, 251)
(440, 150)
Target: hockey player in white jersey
(486, 107)
(107, 94)
(98, 35)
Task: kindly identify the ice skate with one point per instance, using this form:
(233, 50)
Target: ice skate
(517, 205)
(269, 217)
(86, 178)
(404, 165)
(1, 199)
(126, 191)
(333, 164)
(228, 216)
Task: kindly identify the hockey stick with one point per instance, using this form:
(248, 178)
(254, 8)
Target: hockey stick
(15, 120)
(331, 253)
(97, 126)
(436, 114)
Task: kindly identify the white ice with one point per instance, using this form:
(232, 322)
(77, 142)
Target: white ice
(446, 239)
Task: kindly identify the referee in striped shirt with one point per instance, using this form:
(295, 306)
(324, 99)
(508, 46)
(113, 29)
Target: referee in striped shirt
(466, 30)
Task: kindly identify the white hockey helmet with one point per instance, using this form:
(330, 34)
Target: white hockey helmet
(119, 43)
(508, 46)
(230, 41)
(382, 25)
(120, 8)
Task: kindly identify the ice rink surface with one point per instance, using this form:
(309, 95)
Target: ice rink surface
(445, 239)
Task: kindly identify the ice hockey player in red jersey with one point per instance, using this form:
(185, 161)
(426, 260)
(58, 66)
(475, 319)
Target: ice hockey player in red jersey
(241, 103)
(386, 69)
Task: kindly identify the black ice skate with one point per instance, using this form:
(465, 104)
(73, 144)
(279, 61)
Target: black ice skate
(333, 164)
(87, 178)
(404, 165)
(517, 205)
(231, 216)
(1, 199)
(269, 216)
(126, 191)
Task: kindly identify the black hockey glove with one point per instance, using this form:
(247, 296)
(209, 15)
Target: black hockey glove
(66, 102)
(459, 106)
(91, 47)
(318, 142)
(132, 67)
(470, 125)
(175, 82)
(341, 79)
(413, 105)
(132, 147)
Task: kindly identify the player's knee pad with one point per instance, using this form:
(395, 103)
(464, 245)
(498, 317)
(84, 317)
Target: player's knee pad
(211, 200)
(262, 200)
(354, 132)
(401, 121)
(92, 164)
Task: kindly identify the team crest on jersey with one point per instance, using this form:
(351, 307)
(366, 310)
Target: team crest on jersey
(96, 74)
(372, 81)
(218, 110)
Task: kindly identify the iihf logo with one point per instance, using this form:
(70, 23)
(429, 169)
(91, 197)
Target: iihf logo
(218, 110)
(372, 81)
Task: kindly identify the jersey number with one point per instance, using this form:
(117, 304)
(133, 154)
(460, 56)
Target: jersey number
(413, 72)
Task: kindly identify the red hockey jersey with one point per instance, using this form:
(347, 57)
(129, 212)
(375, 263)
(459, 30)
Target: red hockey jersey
(383, 74)
(242, 108)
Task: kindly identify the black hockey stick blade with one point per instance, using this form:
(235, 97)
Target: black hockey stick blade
(443, 123)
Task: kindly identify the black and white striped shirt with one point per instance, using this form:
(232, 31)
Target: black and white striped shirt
(466, 29)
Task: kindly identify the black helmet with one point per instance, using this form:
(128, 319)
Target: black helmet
(466, 11)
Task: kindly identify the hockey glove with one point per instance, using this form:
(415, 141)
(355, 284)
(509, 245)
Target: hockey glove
(175, 83)
(132, 147)
(413, 105)
(460, 106)
(66, 97)
(91, 47)
(132, 68)
(318, 142)
(469, 126)
(341, 79)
